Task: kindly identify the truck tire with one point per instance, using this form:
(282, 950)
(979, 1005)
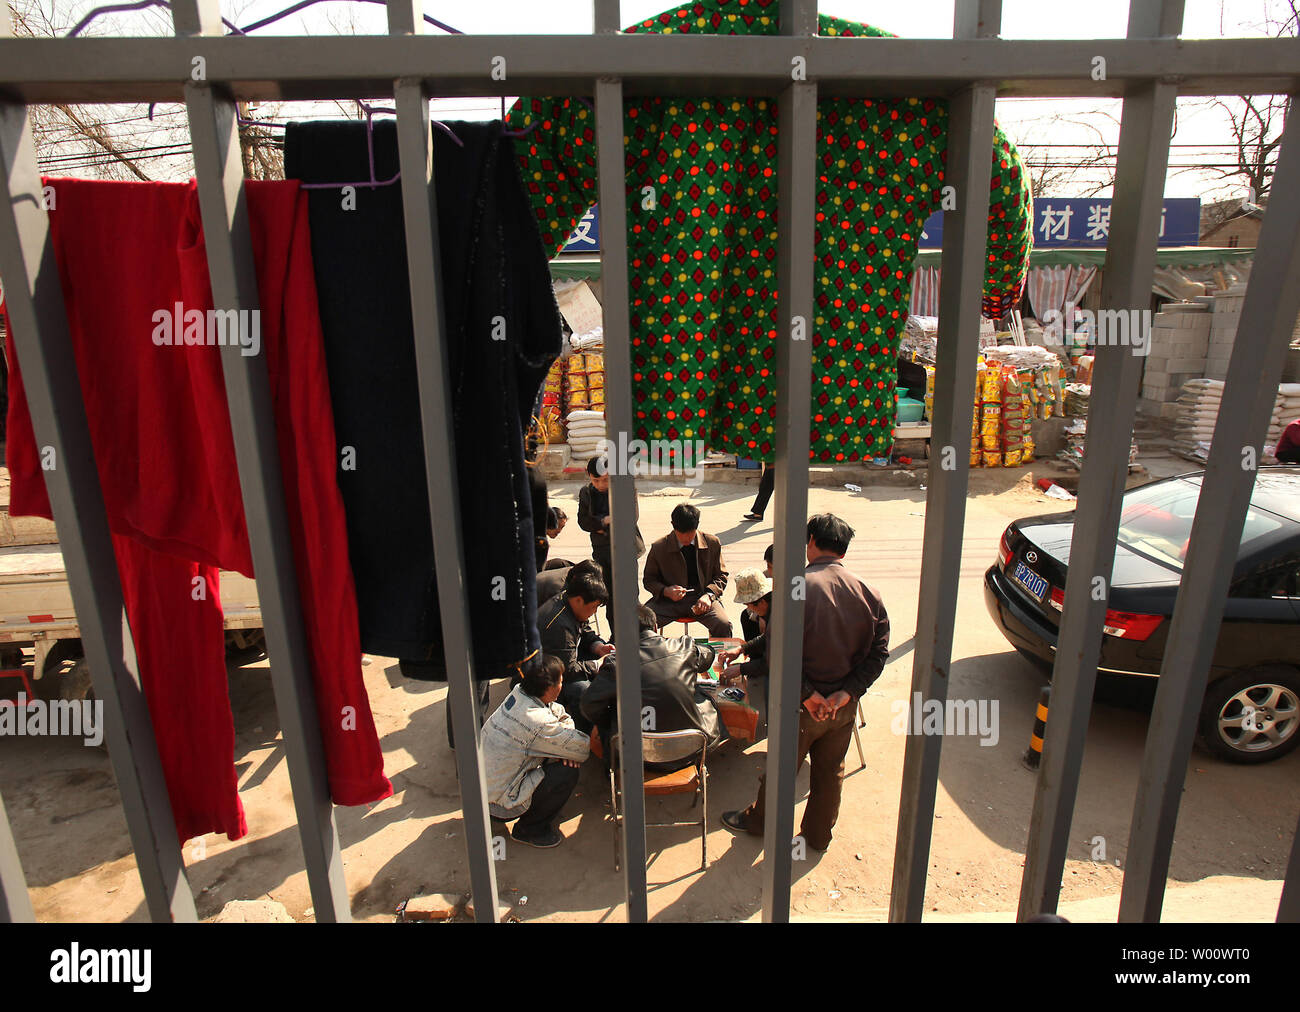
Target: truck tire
(69, 680)
(244, 646)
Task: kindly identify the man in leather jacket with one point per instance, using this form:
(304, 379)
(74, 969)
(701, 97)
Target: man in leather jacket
(564, 622)
(670, 697)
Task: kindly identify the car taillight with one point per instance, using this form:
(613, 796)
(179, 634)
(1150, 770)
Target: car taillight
(1129, 625)
(1057, 599)
(1004, 550)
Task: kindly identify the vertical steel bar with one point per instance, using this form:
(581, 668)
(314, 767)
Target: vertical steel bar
(968, 172)
(796, 243)
(43, 345)
(622, 489)
(223, 204)
(1288, 908)
(1143, 159)
(607, 17)
(420, 211)
(1267, 316)
(15, 901)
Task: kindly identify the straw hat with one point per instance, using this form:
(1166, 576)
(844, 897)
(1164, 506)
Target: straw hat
(751, 584)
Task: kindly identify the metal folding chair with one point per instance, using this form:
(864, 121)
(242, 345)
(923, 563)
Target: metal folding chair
(857, 740)
(666, 747)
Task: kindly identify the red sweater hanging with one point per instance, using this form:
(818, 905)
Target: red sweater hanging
(131, 258)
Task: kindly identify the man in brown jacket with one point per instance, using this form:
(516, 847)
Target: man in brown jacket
(845, 646)
(686, 575)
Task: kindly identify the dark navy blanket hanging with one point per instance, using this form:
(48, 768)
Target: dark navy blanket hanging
(503, 331)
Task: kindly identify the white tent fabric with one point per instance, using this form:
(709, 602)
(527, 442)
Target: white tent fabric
(925, 292)
(1052, 287)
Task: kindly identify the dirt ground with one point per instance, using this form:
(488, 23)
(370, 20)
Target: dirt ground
(1233, 838)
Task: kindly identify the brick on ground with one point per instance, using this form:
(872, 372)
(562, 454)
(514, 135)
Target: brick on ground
(434, 907)
(503, 910)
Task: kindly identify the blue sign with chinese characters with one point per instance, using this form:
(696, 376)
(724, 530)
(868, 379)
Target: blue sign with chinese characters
(586, 237)
(1083, 222)
(1076, 222)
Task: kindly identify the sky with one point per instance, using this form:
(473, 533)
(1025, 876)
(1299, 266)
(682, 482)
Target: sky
(1028, 121)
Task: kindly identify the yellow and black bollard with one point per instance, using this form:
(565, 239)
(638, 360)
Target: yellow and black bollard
(1034, 754)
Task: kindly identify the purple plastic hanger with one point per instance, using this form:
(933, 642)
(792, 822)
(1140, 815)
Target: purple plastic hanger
(372, 183)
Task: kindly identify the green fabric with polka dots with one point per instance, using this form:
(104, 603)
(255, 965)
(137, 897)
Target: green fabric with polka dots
(702, 243)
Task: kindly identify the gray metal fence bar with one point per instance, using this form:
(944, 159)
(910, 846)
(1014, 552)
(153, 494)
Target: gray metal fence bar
(15, 902)
(1288, 907)
(622, 488)
(1268, 315)
(218, 169)
(607, 17)
(1143, 159)
(796, 252)
(420, 210)
(1148, 69)
(34, 297)
(968, 171)
(325, 67)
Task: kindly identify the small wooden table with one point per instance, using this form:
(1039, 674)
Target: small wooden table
(736, 715)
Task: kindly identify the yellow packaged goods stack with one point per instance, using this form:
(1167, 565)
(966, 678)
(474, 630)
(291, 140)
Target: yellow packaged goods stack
(576, 397)
(975, 418)
(1013, 418)
(550, 422)
(1009, 397)
(991, 416)
(595, 365)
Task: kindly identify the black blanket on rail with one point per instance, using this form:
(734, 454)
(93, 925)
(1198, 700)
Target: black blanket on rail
(503, 331)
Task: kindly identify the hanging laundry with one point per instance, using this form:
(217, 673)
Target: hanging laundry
(502, 329)
(702, 243)
(135, 282)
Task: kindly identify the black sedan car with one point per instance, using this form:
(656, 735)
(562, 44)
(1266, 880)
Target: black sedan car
(1251, 712)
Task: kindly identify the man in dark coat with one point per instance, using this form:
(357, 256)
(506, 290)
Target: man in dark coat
(595, 518)
(686, 574)
(564, 622)
(671, 699)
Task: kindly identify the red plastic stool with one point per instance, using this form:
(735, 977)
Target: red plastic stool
(27, 685)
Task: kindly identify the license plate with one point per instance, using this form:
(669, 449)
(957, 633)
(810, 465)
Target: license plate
(1030, 580)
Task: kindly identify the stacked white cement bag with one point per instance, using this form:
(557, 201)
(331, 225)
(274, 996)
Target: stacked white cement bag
(586, 434)
(1198, 412)
(1287, 411)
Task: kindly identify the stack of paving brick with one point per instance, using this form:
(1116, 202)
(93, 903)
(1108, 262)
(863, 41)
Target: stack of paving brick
(1180, 336)
(1224, 315)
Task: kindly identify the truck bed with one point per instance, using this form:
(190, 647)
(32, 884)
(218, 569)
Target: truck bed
(35, 598)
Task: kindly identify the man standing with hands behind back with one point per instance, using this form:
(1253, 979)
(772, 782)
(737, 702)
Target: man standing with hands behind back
(845, 646)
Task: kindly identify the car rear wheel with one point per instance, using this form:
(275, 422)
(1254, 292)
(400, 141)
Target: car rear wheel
(1254, 715)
